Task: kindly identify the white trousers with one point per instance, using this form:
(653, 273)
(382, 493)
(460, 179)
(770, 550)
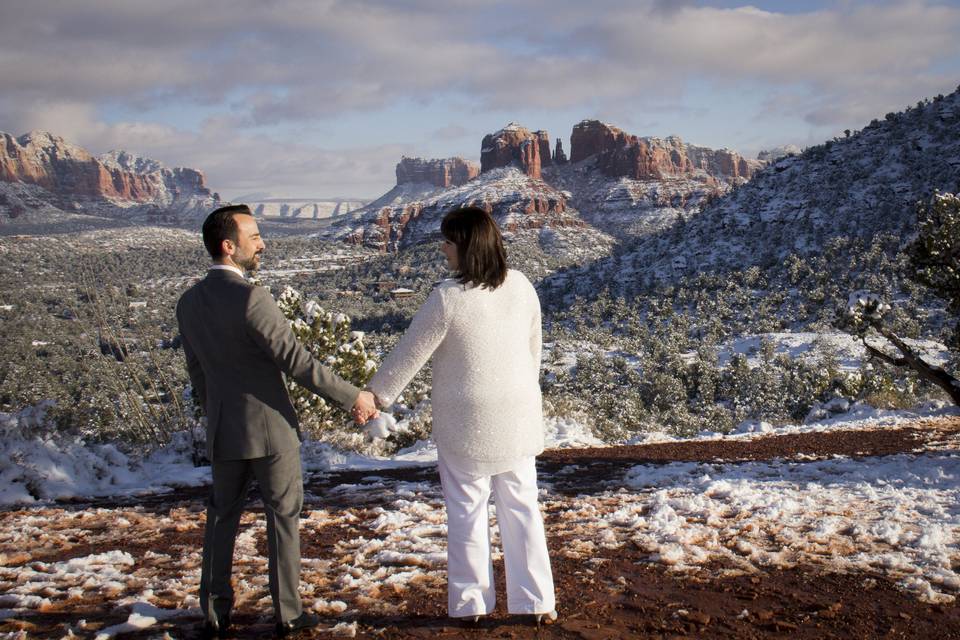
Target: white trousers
(469, 566)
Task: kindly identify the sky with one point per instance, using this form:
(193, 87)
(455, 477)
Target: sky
(321, 98)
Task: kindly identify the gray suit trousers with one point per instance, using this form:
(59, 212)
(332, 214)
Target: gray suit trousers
(281, 484)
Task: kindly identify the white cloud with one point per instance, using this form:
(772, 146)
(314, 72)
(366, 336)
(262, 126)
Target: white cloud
(232, 161)
(327, 57)
(235, 163)
(305, 61)
(450, 132)
(70, 119)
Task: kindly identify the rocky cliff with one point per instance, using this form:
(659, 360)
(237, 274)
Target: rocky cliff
(559, 156)
(74, 180)
(515, 146)
(450, 172)
(619, 154)
(515, 199)
(509, 186)
(631, 186)
(854, 196)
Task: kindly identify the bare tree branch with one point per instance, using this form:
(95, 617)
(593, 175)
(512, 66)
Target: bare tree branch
(927, 371)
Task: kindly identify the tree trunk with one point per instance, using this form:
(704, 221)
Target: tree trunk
(927, 371)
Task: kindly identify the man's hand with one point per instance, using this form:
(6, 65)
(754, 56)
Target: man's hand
(364, 408)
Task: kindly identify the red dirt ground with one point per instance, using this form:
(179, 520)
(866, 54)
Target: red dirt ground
(621, 594)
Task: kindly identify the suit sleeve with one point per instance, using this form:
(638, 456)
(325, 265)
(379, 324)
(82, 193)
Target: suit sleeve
(197, 380)
(421, 339)
(271, 331)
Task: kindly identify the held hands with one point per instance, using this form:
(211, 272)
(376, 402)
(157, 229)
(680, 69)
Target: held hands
(376, 425)
(380, 427)
(364, 408)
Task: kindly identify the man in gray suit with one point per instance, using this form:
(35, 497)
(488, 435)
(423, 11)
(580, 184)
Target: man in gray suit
(238, 344)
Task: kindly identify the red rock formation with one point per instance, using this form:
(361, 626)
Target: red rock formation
(619, 154)
(513, 145)
(528, 205)
(723, 163)
(592, 137)
(50, 162)
(386, 229)
(451, 172)
(543, 139)
(559, 157)
(64, 169)
(515, 204)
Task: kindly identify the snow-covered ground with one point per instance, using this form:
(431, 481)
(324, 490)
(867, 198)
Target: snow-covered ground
(847, 349)
(811, 347)
(41, 469)
(896, 515)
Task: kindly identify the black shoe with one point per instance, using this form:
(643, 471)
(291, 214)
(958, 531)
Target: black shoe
(469, 622)
(216, 628)
(301, 622)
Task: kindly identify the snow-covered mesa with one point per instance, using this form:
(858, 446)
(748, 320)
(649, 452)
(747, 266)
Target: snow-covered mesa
(303, 209)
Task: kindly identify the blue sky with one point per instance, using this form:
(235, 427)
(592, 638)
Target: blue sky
(321, 98)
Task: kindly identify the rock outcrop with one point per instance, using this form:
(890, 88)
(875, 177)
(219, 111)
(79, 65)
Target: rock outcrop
(451, 172)
(515, 146)
(51, 162)
(592, 137)
(77, 180)
(619, 154)
(631, 186)
(559, 157)
(772, 155)
(516, 200)
(543, 139)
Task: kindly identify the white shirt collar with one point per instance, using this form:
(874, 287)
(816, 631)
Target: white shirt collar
(227, 267)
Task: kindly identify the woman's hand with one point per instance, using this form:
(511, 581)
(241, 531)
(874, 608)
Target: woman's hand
(364, 408)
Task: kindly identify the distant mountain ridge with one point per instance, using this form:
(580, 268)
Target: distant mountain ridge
(42, 170)
(853, 188)
(620, 183)
(300, 209)
(410, 213)
(857, 186)
(622, 155)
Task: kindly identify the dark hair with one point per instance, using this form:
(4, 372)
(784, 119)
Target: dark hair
(220, 226)
(480, 253)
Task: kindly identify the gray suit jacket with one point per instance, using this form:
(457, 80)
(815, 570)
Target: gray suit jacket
(238, 344)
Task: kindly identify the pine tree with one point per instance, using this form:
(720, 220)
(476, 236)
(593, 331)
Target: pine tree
(935, 252)
(328, 336)
(866, 317)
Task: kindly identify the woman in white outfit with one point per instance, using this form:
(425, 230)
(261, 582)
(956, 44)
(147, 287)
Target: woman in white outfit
(483, 331)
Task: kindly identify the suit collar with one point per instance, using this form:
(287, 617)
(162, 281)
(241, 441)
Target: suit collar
(224, 273)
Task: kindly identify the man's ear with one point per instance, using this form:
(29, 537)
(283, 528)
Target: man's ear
(227, 247)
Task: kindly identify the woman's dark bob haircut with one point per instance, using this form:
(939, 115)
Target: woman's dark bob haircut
(480, 253)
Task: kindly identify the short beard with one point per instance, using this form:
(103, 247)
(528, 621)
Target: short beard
(251, 263)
